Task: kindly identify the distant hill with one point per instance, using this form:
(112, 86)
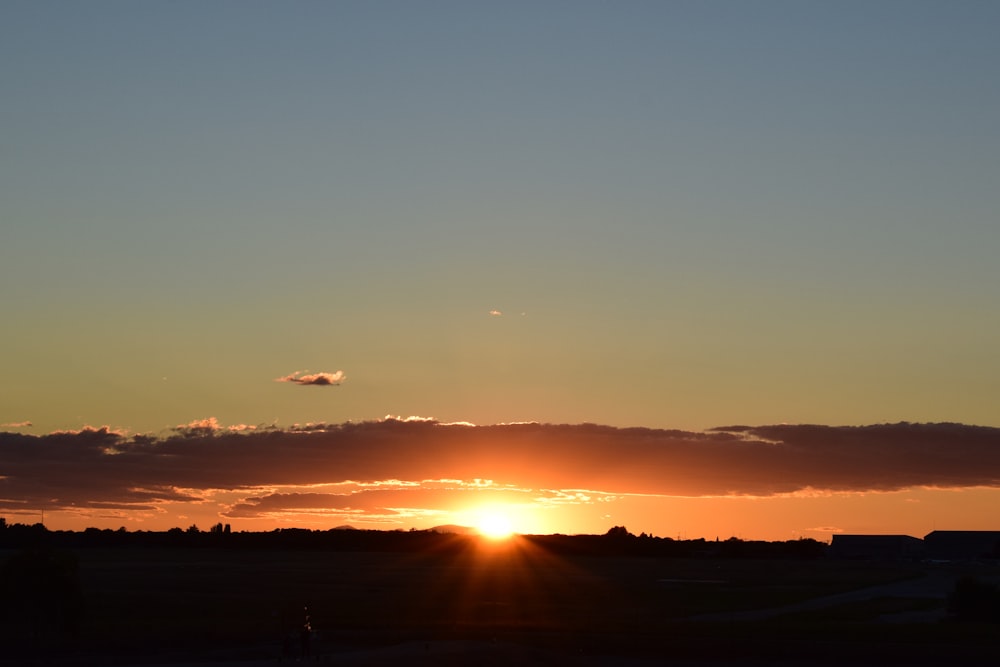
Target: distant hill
(451, 529)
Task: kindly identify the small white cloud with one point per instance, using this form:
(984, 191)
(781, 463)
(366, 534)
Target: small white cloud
(496, 313)
(411, 418)
(317, 379)
(207, 424)
(824, 529)
(240, 428)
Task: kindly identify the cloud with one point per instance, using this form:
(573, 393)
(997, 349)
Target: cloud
(205, 426)
(375, 501)
(411, 418)
(384, 465)
(24, 424)
(317, 379)
(496, 313)
(210, 425)
(882, 457)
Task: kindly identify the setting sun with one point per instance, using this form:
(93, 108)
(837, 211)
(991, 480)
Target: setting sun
(494, 524)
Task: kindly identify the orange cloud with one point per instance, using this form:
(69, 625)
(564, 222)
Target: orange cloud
(317, 379)
(544, 464)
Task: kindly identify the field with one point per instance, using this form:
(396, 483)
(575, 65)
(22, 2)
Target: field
(150, 606)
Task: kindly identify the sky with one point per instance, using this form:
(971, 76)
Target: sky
(268, 223)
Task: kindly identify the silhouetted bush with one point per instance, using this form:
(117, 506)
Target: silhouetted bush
(618, 532)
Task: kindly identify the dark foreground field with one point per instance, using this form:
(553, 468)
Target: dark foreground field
(473, 602)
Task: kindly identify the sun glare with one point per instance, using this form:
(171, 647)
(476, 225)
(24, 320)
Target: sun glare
(495, 525)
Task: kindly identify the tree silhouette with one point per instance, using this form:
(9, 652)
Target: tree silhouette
(618, 532)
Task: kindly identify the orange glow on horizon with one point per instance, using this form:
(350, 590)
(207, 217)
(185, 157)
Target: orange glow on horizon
(494, 522)
(495, 526)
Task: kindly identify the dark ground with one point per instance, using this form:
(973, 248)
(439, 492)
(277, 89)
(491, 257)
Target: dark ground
(480, 603)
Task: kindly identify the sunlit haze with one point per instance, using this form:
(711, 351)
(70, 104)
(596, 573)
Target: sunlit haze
(495, 524)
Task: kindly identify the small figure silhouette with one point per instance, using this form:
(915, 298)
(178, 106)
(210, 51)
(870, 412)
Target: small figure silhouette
(305, 635)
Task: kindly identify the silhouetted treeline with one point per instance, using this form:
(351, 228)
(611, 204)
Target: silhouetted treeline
(617, 541)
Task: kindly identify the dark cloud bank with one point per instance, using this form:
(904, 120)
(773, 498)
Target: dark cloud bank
(100, 469)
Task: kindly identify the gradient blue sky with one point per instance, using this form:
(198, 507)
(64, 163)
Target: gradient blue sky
(690, 214)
